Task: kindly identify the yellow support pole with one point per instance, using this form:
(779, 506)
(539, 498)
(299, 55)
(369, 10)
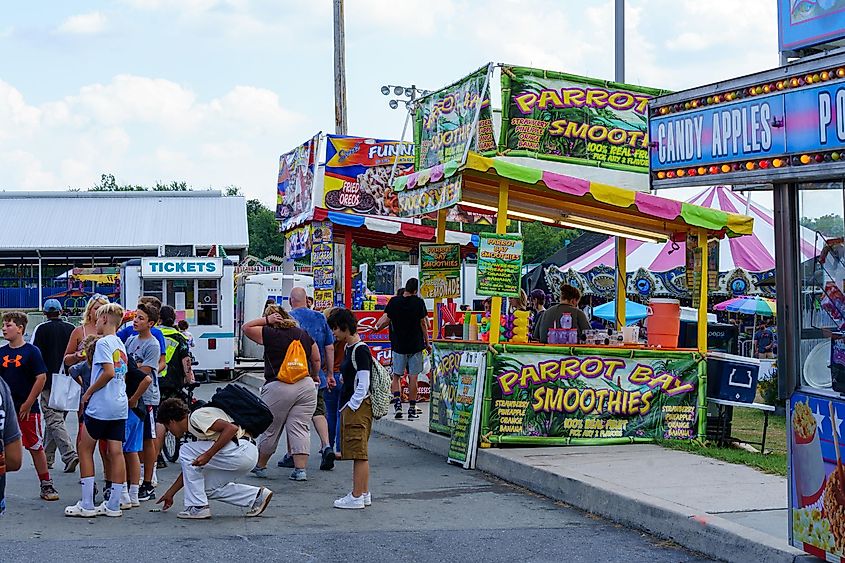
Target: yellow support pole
(441, 238)
(501, 228)
(621, 281)
(702, 300)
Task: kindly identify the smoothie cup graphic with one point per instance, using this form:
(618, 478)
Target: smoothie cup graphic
(807, 456)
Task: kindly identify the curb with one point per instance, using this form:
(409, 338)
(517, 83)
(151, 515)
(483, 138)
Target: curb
(705, 533)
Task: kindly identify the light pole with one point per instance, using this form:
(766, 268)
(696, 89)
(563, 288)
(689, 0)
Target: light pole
(339, 70)
(406, 94)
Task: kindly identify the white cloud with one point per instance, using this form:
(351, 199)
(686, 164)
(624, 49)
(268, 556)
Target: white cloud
(84, 24)
(144, 130)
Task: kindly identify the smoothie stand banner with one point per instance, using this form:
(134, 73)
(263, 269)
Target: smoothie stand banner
(430, 197)
(440, 271)
(443, 121)
(466, 409)
(499, 265)
(358, 174)
(816, 484)
(451, 362)
(561, 395)
(556, 116)
(766, 126)
(295, 186)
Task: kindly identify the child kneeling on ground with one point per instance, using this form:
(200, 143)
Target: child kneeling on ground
(210, 465)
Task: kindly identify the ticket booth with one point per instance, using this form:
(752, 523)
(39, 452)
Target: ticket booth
(201, 290)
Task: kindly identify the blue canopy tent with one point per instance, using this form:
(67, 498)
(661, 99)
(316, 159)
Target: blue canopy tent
(633, 311)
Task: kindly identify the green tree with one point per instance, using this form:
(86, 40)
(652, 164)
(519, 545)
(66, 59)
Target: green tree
(372, 256)
(541, 241)
(830, 225)
(264, 236)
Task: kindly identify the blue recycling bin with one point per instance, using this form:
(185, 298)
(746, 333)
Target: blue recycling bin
(733, 378)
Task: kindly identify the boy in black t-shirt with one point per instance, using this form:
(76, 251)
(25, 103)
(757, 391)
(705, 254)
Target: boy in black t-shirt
(408, 319)
(23, 370)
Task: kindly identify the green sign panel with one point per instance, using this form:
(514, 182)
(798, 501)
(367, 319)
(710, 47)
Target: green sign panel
(444, 121)
(580, 395)
(555, 116)
(440, 271)
(499, 264)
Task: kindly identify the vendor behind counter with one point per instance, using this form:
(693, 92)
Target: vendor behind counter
(569, 298)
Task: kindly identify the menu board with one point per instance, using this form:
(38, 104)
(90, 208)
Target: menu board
(440, 271)
(499, 264)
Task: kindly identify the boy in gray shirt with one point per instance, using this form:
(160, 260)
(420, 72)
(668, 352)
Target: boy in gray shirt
(146, 351)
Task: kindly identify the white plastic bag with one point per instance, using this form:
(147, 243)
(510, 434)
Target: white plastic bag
(65, 393)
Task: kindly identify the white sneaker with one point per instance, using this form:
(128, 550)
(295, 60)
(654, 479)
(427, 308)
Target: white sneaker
(134, 502)
(195, 513)
(76, 511)
(103, 510)
(260, 503)
(368, 499)
(125, 501)
(350, 502)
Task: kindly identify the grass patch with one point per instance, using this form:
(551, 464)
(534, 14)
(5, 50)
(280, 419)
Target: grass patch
(770, 463)
(747, 426)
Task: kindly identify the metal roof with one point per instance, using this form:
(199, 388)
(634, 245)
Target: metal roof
(99, 221)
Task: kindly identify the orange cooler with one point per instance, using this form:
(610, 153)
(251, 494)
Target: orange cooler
(664, 322)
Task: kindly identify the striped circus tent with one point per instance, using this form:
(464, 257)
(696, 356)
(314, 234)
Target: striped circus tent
(660, 267)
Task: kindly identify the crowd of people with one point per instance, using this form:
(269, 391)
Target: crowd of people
(132, 368)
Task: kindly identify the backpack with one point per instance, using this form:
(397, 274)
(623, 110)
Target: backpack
(380, 380)
(246, 409)
(295, 365)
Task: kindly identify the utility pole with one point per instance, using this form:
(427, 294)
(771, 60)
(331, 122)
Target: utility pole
(620, 42)
(339, 70)
(620, 244)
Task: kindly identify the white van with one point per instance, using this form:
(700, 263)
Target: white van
(252, 292)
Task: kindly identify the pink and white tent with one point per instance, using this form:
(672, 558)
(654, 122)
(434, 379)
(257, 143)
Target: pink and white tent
(751, 253)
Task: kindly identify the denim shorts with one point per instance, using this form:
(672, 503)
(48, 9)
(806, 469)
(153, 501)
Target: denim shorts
(413, 363)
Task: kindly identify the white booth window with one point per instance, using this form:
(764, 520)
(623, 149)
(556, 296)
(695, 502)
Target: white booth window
(208, 302)
(154, 288)
(822, 285)
(199, 299)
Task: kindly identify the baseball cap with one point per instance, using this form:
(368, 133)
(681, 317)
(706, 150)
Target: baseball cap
(52, 306)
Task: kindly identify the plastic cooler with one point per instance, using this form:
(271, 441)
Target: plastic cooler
(733, 378)
(664, 322)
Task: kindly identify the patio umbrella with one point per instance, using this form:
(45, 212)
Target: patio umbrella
(633, 311)
(749, 306)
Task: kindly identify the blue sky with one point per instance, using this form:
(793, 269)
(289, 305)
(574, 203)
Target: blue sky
(212, 91)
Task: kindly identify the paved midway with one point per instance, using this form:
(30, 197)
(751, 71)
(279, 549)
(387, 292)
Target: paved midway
(423, 510)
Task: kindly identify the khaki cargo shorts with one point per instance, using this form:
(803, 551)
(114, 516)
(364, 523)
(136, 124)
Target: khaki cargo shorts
(355, 431)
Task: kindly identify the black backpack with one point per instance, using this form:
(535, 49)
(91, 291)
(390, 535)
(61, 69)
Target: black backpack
(246, 409)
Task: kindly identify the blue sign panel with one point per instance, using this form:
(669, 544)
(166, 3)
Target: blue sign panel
(741, 130)
(803, 23)
(800, 121)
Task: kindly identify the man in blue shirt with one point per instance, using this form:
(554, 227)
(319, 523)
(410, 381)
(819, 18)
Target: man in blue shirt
(315, 325)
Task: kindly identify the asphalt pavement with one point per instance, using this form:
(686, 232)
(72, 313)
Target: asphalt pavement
(423, 510)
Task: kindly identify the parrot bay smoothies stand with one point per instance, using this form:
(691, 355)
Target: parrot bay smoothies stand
(784, 130)
(500, 392)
